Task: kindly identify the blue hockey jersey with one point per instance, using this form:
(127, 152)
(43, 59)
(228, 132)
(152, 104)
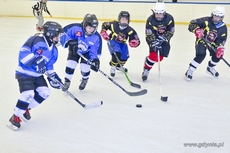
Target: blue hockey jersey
(36, 46)
(91, 44)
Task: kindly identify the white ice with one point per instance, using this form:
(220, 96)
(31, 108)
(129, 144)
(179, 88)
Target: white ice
(196, 111)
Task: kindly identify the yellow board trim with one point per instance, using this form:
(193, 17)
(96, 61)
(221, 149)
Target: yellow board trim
(100, 19)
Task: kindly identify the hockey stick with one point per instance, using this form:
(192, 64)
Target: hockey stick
(95, 104)
(213, 49)
(163, 98)
(138, 93)
(123, 70)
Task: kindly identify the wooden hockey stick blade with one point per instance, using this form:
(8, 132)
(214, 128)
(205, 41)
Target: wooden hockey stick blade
(135, 85)
(92, 105)
(138, 93)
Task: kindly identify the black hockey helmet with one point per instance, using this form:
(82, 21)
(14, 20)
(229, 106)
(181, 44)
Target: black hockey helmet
(124, 14)
(90, 20)
(52, 29)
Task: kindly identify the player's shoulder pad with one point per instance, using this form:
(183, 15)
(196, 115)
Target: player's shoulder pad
(169, 16)
(71, 26)
(33, 40)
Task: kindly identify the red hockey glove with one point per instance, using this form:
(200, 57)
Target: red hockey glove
(220, 51)
(134, 43)
(104, 35)
(199, 33)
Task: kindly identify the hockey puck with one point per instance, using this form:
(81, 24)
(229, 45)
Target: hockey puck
(138, 105)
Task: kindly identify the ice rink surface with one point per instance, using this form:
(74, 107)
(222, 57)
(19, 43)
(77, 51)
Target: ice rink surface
(196, 111)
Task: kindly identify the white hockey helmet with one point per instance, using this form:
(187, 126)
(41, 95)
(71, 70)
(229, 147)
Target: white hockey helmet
(159, 7)
(218, 11)
(159, 11)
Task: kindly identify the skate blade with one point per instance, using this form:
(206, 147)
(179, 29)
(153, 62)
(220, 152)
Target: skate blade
(24, 119)
(212, 74)
(12, 127)
(187, 79)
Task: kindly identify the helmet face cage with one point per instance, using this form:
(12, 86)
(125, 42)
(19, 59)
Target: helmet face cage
(219, 12)
(159, 9)
(52, 29)
(123, 14)
(90, 20)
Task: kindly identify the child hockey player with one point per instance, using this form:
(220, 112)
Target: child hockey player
(82, 38)
(159, 30)
(214, 30)
(120, 32)
(36, 56)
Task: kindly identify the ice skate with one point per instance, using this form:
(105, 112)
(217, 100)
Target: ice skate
(188, 74)
(26, 116)
(14, 122)
(120, 69)
(145, 74)
(212, 71)
(112, 71)
(83, 84)
(66, 85)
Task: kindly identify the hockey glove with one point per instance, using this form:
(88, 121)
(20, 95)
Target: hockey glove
(156, 45)
(73, 45)
(104, 35)
(199, 33)
(95, 65)
(134, 43)
(57, 84)
(40, 64)
(162, 38)
(220, 51)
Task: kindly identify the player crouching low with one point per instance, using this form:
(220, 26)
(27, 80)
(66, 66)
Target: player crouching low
(36, 57)
(214, 30)
(159, 31)
(120, 32)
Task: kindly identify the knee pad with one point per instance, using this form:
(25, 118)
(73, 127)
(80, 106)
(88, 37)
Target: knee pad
(27, 96)
(199, 58)
(70, 67)
(85, 69)
(43, 92)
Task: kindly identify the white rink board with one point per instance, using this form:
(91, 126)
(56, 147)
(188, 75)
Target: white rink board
(196, 112)
(182, 13)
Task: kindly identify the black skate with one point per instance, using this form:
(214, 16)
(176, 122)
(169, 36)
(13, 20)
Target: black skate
(66, 85)
(145, 74)
(83, 84)
(188, 74)
(26, 116)
(14, 122)
(212, 71)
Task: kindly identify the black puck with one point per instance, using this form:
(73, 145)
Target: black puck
(138, 105)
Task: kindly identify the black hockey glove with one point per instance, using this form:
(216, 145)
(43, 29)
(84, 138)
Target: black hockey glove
(73, 46)
(162, 38)
(40, 64)
(95, 65)
(57, 84)
(156, 45)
